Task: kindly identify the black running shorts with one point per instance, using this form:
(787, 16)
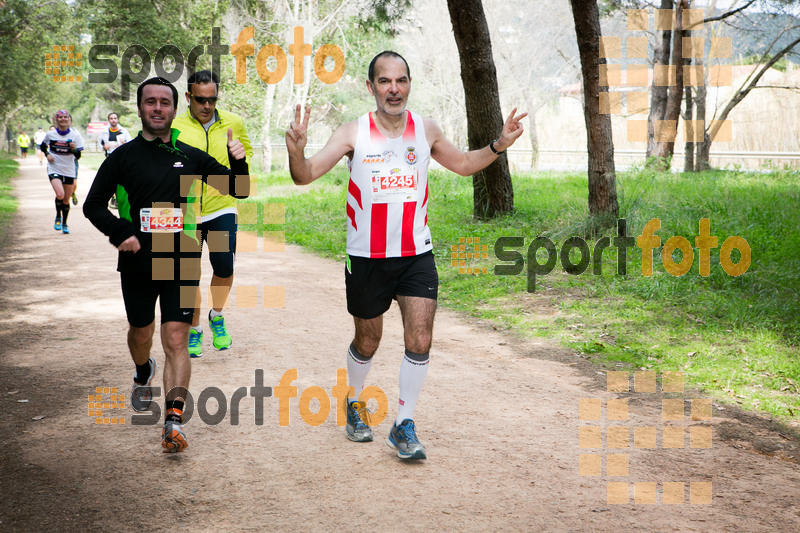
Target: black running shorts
(63, 179)
(140, 291)
(372, 283)
(222, 245)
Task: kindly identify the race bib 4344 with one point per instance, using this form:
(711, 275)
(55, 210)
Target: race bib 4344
(161, 220)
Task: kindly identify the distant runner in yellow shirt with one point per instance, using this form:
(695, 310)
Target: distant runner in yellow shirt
(23, 141)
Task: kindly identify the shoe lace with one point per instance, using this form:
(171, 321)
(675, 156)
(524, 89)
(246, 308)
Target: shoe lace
(218, 326)
(409, 431)
(194, 339)
(174, 417)
(361, 414)
(142, 392)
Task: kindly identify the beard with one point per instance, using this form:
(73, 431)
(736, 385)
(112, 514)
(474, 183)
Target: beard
(392, 110)
(158, 131)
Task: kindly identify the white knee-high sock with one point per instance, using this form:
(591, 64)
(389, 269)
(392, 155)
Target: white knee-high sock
(357, 369)
(413, 371)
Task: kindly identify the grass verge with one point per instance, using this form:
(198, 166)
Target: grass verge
(733, 336)
(9, 168)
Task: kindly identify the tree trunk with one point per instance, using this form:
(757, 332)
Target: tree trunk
(6, 136)
(665, 149)
(4, 126)
(534, 141)
(688, 144)
(658, 93)
(493, 191)
(266, 129)
(603, 207)
(701, 159)
(703, 153)
(688, 150)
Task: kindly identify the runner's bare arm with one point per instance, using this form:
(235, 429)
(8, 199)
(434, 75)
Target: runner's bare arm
(468, 163)
(305, 170)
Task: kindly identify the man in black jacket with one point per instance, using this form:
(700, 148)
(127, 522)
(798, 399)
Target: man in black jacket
(159, 255)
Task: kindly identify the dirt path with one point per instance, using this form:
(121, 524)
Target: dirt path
(499, 419)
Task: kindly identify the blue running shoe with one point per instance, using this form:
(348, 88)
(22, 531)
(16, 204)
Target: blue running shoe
(57, 225)
(357, 428)
(195, 343)
(403, 438)
(65, 229)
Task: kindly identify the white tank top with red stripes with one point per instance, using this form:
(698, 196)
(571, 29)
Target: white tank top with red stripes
(387, 197)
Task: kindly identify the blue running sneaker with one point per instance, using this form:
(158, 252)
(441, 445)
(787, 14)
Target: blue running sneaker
(57, 225)
(195, 343)
(222, 340)
(357, 427)
(65, 229)
(403, 438)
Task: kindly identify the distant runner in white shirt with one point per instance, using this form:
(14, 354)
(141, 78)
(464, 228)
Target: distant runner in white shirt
(62, 146)
(113, 136)
(38, 137)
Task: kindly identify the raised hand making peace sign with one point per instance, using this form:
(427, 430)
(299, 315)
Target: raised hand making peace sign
(512, 129)
(297, 134)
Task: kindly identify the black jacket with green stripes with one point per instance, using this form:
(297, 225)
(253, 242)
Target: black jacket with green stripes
(146, 173)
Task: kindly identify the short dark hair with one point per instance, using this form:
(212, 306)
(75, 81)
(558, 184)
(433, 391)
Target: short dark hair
(385, 53)
(202, 76)
(156, 81)
(112, 113)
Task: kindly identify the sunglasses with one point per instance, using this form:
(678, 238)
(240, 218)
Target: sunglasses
(202, 100)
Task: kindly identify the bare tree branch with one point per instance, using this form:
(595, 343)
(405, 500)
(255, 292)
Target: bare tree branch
(787, 87)
(743, 92)
(728, 14)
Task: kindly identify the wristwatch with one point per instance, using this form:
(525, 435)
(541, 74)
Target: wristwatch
(493, 149)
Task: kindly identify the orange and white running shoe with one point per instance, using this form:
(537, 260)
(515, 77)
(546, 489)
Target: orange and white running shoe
(173, 438)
